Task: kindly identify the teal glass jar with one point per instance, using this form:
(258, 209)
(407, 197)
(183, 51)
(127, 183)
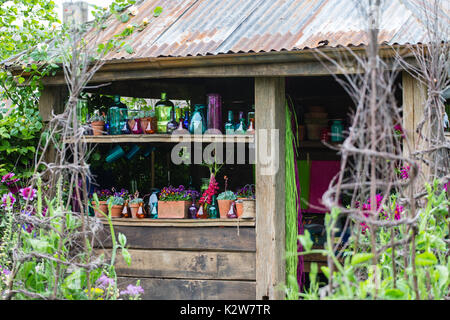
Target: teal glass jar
(198, 120)
(114, 121)
(337, 129)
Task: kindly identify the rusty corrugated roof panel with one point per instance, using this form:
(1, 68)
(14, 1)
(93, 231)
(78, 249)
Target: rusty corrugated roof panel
(211, 27)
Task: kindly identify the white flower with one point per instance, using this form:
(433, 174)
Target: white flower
(130, 26)
(145, 21)
(133, 11)
(54, 25)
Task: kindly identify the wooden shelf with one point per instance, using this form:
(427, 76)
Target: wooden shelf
(167, 138)
(181, 222)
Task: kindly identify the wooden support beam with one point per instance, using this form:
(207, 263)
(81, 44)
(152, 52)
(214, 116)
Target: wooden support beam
(270, 187)
(52, 99)
(414, 96)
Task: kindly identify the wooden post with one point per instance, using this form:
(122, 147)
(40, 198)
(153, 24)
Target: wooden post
(414, 96)
(51, 99)
(270, 189)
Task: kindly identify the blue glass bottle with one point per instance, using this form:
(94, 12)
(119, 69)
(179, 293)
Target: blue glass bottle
(186, 120)
(198, 120)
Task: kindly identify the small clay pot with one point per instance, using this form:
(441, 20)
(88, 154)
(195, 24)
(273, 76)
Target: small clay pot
(97, 127)
(134, 207)
(103, 207)
(224, 207)
(116, 211)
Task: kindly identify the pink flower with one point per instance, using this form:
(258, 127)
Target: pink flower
(404, 172)
(28, 193)
(5, 197)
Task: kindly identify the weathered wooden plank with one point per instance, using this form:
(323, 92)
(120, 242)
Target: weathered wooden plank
(183, 289)
(270, 186)
(182, 222)
(51, 99)
(187, 264)
(206, 238)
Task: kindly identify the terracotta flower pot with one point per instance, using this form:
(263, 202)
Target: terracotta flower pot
(224, 207)
(116, 211)
(134, 208)
(173, 209)
(97, 127)
(103, 207)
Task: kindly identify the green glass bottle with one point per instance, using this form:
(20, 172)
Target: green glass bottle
(163, 109)
(213, 209)
(229, 125)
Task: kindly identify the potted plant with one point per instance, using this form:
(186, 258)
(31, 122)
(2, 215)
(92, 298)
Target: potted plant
(116, 206)
(224, 200)
(174, 202)
(102, 207)
(246, 195)
(97, 123)
(134, 205)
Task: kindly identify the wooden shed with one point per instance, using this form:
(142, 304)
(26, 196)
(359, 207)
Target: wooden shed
(254, 51)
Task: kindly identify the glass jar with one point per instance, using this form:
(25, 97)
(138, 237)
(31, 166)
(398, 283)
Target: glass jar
(114, 121)
(337, 129)
(214, 111)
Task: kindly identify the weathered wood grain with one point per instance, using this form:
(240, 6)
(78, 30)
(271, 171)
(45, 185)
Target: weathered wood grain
(187, 264)
(270, 186)
(182, 289)
(197, 223)
(184, 238)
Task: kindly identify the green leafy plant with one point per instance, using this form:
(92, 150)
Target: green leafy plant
(226, 195)
(422, 272)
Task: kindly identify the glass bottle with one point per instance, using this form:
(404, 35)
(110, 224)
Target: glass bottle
(229, 125)
(241, 127)
(163, 109)
(251, 127)
(172, 125)
(232, 213)
(201, 213)
(213, 209)
(137, 127)
(241, 119)
(198, 123)
(192, 211)
(154, 205)
(251, 117)
(186, 120)
(124, 129)
(150, 128)
(214, 111)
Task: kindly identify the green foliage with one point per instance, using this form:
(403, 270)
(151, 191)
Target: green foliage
(227, 195)
(19, 132)
(48, 267)
(355, 276)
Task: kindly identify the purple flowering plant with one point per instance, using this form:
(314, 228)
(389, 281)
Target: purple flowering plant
(103, 194)
(171, 193)
(247, 191)
(132, 291)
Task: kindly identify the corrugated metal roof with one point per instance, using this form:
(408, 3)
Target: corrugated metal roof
(203, 27)
(211, 27)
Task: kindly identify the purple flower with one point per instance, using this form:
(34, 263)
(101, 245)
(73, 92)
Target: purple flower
(404, 172)
(5, 197)
(8, 179)
(104, 282)
(28, 193)
(132, 290)
(4, 271)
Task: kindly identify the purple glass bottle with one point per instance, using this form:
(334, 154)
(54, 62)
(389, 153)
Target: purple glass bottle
(192, 211)
(214, 117)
